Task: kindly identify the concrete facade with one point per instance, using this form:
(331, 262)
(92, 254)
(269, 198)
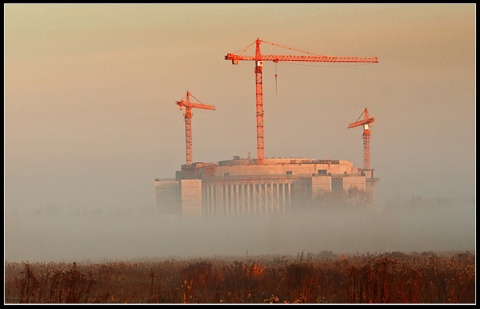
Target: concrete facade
(168, 197)
(240, 187)
(191, 196)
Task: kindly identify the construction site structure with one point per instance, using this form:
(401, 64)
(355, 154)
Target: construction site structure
(188, 121)
(264, 186)
(259, 58)
(242, 187)
(366, 122)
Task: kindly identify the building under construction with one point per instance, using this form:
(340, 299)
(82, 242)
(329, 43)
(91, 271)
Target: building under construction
(242, 187)
(266, 186)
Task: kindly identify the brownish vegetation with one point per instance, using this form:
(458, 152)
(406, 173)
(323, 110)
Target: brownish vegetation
(323, 278)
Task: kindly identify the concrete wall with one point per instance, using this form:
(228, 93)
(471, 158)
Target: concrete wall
(354, 182)
(168, 200)
(301, 192)
(321, 186)
(191, 196)
(282, 169)
(368, 173)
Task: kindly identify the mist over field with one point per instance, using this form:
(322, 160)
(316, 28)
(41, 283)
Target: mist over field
(91, 120)
(417, 225)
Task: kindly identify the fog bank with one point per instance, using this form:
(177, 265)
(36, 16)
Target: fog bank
(406, 226)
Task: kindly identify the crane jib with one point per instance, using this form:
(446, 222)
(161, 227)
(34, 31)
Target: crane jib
(277, 58)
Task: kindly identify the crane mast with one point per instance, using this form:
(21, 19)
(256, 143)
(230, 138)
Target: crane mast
(366, 123)
(259, 58)
(188, 121)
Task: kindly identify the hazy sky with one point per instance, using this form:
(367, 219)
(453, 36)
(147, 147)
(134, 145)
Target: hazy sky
(90, 91)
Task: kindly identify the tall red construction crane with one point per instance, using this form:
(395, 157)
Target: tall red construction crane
(188, 120)
(259, 58)
(366, 122)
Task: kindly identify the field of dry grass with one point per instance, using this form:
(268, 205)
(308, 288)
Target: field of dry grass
(321, 278)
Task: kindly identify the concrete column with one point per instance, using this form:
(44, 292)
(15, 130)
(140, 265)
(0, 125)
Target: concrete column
(238, 206)
(261, 199)
(264, 199)
(282, 197)
(243, 198)
(268, 198)
(257, 199)
(208, 200)
(249, 204)
(289, 197)
(219, 200)
(210, 204)
(230, 200)
(227, 200)
(277, 197)
(272, 199)
(204, 200)
(212, 200)
(253, 204)
(267, 188)
(233, 209)
(239, 198)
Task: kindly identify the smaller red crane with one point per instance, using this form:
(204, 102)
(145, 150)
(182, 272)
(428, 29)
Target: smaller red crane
(188, 120)
(367, 123)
